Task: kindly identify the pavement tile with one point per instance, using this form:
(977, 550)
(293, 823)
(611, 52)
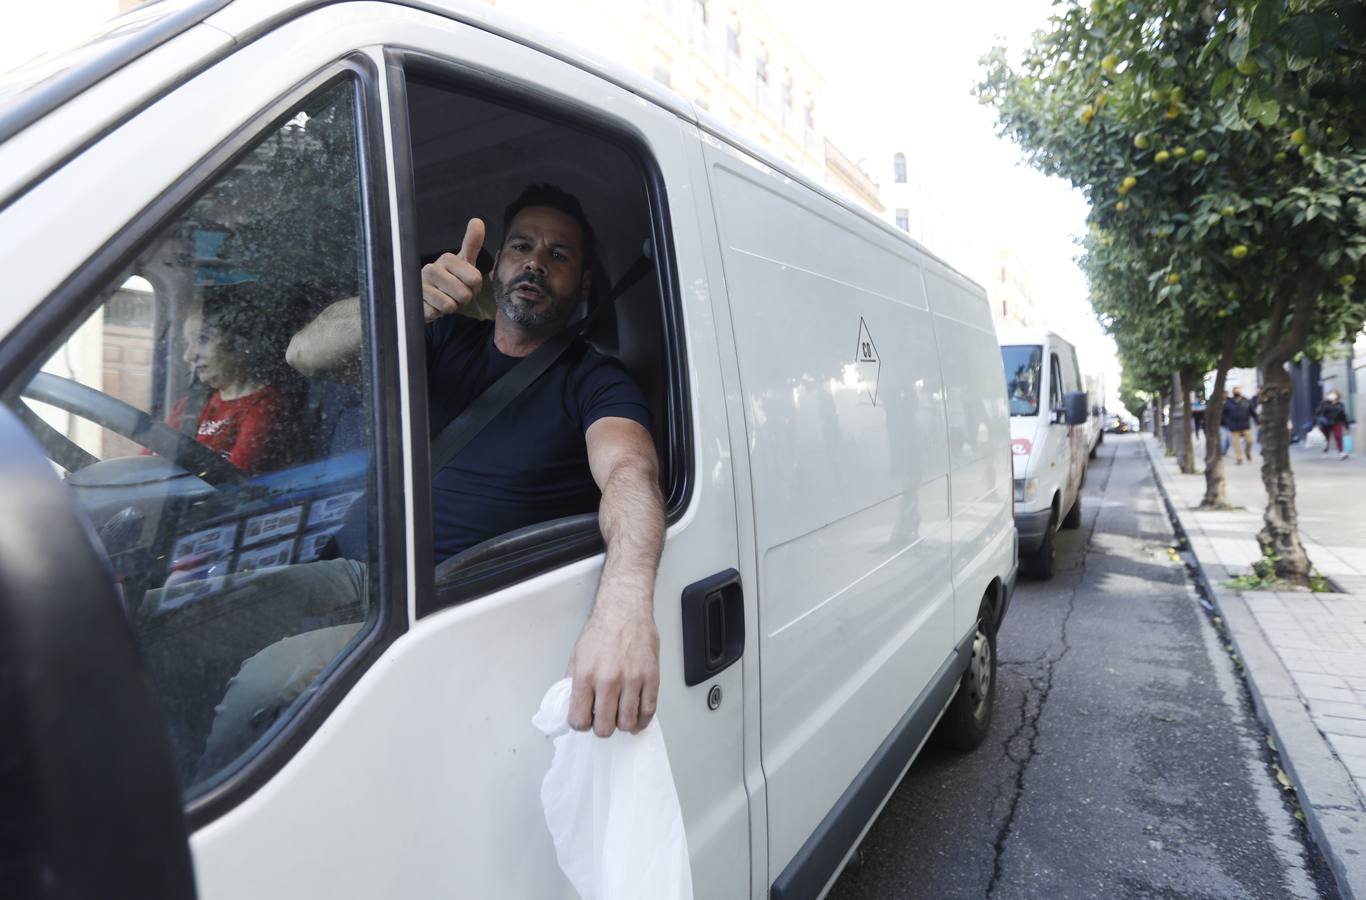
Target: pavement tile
(1324, 692)
(1349, 747)
(1356, 765)
(1341, 710)
(1320, 678)
(1339, 725)
(1263, 601)
(1303, 661)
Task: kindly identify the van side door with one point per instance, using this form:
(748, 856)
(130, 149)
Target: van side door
(1061, 456)
(342, 722)
(838, 402)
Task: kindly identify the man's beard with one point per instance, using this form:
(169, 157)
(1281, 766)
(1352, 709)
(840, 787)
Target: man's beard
(553, 310)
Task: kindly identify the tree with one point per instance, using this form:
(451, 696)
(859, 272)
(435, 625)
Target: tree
(1170, 337)
(1226, 143)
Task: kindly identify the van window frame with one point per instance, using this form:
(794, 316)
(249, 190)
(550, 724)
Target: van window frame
(1056, 387)
(54, 319)
(584, 541)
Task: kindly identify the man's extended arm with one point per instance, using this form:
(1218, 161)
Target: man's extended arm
(329, 346)
(615, 663)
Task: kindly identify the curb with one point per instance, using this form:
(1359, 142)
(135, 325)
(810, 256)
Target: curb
(1327, 795)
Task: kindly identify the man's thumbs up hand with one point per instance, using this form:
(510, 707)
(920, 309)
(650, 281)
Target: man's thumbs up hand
(452, 281)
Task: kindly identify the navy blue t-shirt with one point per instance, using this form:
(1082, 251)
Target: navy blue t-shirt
(530, 463)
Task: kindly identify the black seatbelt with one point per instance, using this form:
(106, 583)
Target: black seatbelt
(496, 397)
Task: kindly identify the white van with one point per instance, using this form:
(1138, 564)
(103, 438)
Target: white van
(834, 446)
(1095, 421)
(1048, 440)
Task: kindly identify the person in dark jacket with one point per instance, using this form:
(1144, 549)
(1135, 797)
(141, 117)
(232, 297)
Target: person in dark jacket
(1238, 417)
(1332, 421)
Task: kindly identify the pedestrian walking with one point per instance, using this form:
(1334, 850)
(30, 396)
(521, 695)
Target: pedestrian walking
(1198, 416)
(1332, 420)
(1238, 417)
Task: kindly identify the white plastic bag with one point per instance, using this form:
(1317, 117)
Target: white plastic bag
(612, 809)
(1315, 439)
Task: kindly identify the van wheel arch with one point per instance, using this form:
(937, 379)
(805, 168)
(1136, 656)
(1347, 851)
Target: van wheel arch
(967, 719)
(1039, 564)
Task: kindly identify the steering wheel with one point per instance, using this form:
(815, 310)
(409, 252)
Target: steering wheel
(127, 421)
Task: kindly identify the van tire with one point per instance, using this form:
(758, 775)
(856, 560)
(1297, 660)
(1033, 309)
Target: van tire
(1039, 564)
(1073, 517)
(967, 719)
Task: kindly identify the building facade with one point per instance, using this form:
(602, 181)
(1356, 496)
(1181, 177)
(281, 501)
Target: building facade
(921, 206)
(729, 57)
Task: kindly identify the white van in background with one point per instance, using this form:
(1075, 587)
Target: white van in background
(1048, 440)
(834, 455)
(1095, 422)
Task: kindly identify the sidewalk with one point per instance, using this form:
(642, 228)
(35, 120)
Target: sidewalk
(1304, 654)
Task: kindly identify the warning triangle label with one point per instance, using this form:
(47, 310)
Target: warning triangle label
(868, 362)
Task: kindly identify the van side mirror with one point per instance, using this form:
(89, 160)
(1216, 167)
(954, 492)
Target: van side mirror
(1074, 408)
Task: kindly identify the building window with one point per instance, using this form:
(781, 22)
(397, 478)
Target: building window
(787, 88)
(733, 39)
(903, 219)
(761, 65)
(899, 167)
(810, 112)
(699, 11)
(661, 74)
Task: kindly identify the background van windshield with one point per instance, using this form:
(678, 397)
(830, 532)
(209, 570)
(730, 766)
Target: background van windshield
(1023, 375)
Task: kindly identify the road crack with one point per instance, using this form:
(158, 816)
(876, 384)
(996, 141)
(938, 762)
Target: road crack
(1036, 699)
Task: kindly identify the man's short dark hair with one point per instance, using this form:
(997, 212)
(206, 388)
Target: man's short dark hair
(553, 197)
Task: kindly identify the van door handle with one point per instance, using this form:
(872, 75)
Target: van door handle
(713, 626)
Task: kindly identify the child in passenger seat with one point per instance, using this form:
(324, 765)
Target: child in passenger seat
(235, 348)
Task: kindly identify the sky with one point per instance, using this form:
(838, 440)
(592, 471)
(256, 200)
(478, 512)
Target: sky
(35, 26)
(902, 73)
(898, 73)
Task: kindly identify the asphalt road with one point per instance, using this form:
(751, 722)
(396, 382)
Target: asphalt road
(1124, 759)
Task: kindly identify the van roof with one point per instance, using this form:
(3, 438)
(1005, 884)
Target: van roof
(1030, 336)
(43, 84)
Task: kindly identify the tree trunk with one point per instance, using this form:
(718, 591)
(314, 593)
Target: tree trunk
(1158, 431)
(1184, 379)
(1169, 430)
(1216, 489)
(1280, 535)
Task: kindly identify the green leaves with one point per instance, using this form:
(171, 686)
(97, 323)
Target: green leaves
(1264, 109)
(1249, 217)
(1312, 35)
(1222, 82)
(1266, 15)
(1237, 48)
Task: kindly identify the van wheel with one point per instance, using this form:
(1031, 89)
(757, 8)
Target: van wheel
(1039, 564)
(1073, 517)
(968, 718)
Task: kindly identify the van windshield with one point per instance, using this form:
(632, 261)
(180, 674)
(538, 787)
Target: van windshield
(1024, 374)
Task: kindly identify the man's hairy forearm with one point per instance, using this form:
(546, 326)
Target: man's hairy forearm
(631, 516)
(329, 345)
